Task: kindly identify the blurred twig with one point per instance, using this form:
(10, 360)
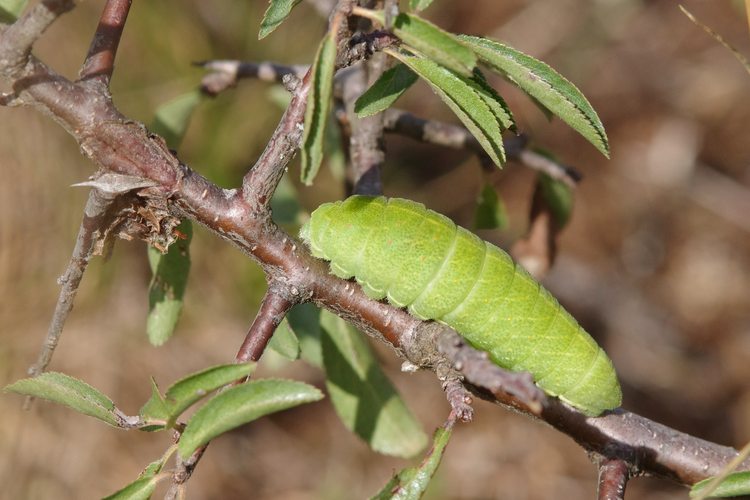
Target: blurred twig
(613, 477)
(740, 57)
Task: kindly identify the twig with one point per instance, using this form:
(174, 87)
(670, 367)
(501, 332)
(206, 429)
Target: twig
(260, 182)
(100, 59)
(16, 40)
(272, 310)
(457, 137)
(116, 144)
(460, 399)
(226, 73)
(97, 215)
(536, 251)
(480, 371)
(366, 146)
(613, 477)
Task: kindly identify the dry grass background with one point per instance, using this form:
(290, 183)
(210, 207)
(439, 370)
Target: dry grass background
(656, 261)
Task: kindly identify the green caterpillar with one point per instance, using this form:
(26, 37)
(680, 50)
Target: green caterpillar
(419, 259)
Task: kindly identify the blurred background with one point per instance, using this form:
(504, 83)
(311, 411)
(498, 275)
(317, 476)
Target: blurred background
(655, 262)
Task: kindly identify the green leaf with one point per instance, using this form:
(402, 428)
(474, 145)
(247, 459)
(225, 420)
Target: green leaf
(418, 5)
(735, 484)
(191, 389)
(68, 391)
(304, 320)
(155, 412)
(318, 108)
(385, 91)
(172, 118)
(285, 342)
(545, 85)
(285, 204)
(430, 41)
(460, 95)
(411, 483)
(168, 283)
(559, 198)
(277, 12)
(490, 212)
(362, 395)
(242, 404)
(140, 489)
(11, 9)
(497, 104)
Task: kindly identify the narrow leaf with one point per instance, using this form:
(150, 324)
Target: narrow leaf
(362, 395)
(318, 107)
(497, 104)
(285, 203)
(735, 484)
(411, 483)
(304, 320)
(559, 198)
(464, 101)
(385, 91)
(277, 12)
(155, 412)
(418, 5)
(490, 212)
(430, 41)
(11, 9)
(545, 85)
(191, 389)
(240, 405)
(140, 489)
(168, 283)
(173, 117)
(285, 342)
(68, 391)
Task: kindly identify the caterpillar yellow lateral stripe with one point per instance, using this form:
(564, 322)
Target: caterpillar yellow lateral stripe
(419, 259)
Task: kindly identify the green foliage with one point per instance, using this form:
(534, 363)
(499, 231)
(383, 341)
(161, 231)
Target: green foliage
(170, 271)
(490, 212)
(172, 118)
(285, 203)
(189, 390)
(460, 94)
(318, 107)
(143, 487)
(419, 4)
(140, 489)
(11, 9)
(304, 321)
(411, 483)
(420, 260)
(70, 392)
(168, 283)
(277, 12)
(735, 484)
(284, 342)
(385, 91)
(559, 198)
(433, 43)
(362, 395)
(242, 404)
(545, 85)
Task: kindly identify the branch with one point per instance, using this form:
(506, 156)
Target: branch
(613, 477)
(457, 137)
(100, 60)
(272, 310)
(118, 145)
(98, 216)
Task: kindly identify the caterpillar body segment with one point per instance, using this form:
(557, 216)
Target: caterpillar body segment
(419, 259)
